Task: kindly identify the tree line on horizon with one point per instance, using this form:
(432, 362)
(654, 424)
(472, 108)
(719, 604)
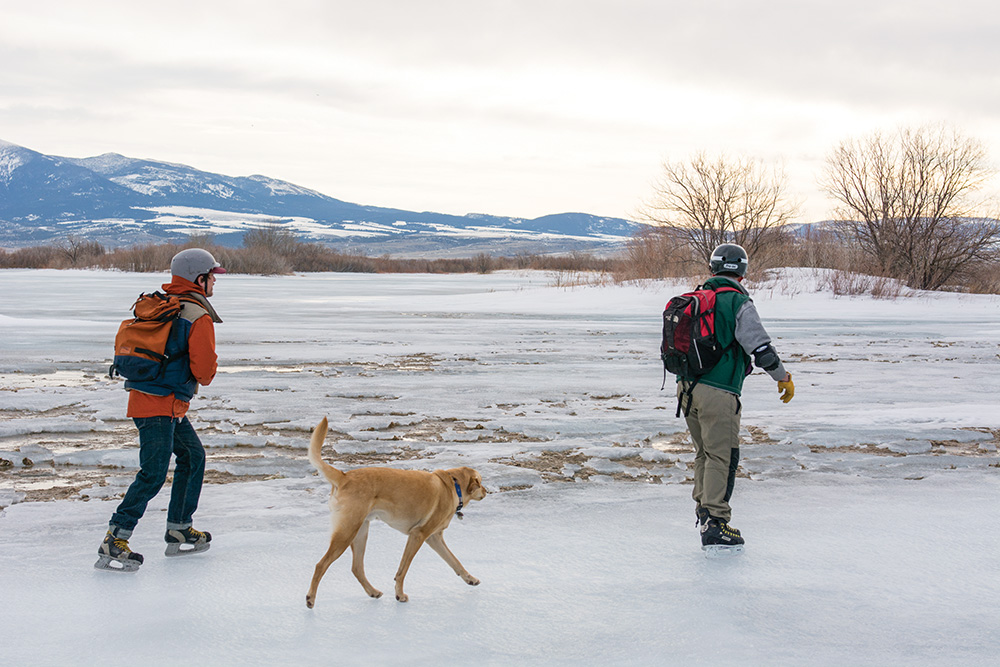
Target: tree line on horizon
(276, 250)
(904, 201)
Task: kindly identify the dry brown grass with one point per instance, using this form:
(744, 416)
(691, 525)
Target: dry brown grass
(654, 253)
(284, 258)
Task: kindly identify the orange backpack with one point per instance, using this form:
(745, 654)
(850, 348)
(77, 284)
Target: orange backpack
(140, 345)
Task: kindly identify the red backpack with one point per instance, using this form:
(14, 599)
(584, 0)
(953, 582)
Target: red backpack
(690, 347)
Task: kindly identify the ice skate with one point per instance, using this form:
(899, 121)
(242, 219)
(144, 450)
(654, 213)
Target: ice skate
(115, 556)
(720, 540)
(187, 541)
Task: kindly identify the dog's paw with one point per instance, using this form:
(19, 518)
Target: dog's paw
(402, 597)
(469, 579)
(310, 601)
(375, 594)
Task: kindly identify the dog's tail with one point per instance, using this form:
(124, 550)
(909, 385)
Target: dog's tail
(334, 476)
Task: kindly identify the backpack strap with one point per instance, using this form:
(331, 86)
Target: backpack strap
(727, 288)
(194, 297)
(686, 390)
(724, 288)
(192, 310)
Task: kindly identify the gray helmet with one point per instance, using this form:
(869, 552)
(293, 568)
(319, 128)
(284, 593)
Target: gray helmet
(729, 258)
(194, 262)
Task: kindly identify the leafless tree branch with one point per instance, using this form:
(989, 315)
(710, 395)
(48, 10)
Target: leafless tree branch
(707, 202)
(906, 201)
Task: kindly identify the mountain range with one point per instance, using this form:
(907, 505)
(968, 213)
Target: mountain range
(118, 200)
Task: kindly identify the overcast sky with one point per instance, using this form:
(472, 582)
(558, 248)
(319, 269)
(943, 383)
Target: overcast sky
(509, 107)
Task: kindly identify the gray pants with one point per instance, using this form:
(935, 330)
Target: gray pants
(714, 422)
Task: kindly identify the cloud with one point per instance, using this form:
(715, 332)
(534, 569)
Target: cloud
(562, 105)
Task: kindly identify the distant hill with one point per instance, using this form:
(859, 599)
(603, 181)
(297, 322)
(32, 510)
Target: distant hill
(118, 200)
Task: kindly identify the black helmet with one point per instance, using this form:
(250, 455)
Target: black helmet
(729, 258)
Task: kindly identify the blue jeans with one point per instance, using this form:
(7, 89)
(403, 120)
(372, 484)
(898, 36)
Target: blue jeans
(159, 437)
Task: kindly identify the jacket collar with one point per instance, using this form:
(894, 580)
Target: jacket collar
(179, 286)
(726, 281)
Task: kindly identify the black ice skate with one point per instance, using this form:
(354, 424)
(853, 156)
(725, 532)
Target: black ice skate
(115, 556)
(720, 540)
(193, 541)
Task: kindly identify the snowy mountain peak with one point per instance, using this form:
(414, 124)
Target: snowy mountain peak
(117, 200)
(108, 163)
(12, 157)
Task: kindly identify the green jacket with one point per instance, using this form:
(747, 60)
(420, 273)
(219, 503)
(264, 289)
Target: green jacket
(730, 372)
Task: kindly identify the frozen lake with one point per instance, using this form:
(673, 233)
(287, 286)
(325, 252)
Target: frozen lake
(531, 382)
(553, 394)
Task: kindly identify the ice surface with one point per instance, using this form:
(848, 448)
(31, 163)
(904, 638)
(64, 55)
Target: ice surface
(868, 502)
(836, 571)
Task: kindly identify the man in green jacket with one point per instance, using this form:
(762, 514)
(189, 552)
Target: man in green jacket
(711, 403)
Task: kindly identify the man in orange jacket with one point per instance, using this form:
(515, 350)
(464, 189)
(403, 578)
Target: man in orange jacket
(159, 407)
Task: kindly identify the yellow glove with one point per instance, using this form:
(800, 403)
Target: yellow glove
(788, 387)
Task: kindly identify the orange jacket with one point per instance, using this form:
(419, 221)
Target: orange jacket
(201, 356)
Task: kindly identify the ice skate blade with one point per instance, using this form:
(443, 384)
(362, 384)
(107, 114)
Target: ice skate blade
(175, 549)
(109, 564)
(719, 551)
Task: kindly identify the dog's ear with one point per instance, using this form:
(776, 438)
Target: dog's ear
(474, 486)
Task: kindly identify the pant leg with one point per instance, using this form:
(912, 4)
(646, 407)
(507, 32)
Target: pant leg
(718, 423)
(189, 473)
(694, 427)
(156, 435)
(734, 465)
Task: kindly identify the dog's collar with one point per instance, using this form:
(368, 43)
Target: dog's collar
(458, 490)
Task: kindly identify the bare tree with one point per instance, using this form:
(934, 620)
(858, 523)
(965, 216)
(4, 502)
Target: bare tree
(905, 200)
(204, 240)
(77, 250)
(656, 252)
(722, 200)
(274, 237)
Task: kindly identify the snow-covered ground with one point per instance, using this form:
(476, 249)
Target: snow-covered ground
(869, 502)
